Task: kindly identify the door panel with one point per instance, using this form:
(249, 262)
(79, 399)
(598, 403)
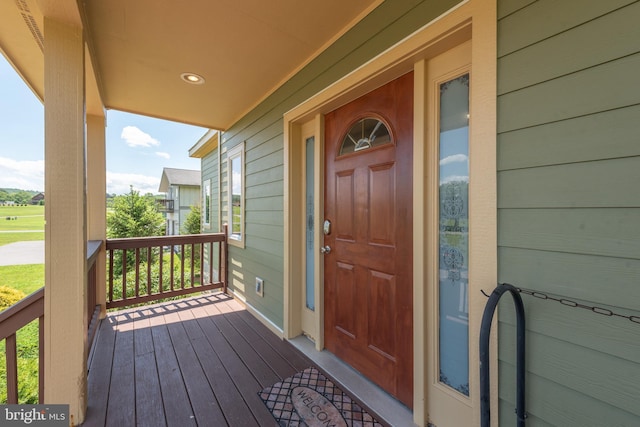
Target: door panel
(368, 199)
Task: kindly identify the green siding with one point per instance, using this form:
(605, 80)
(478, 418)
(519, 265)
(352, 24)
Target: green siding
(262, 132)
(569, 206)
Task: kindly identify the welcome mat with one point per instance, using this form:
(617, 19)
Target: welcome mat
(309, 399)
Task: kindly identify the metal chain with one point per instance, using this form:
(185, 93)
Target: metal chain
(575, 304)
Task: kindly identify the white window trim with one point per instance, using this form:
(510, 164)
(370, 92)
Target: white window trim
(237, 151)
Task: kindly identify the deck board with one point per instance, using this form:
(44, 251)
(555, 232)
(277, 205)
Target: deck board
(149, 411)
(242, 377)
(197, 361)
(98, 385)
(120, 411)
(203, 401)
(229, 398)
(260, 370)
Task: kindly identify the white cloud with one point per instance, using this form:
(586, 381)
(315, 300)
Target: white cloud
(163, 154)
(456, 158)
(119, 183)
(237, 183)
(454, 178)
(22, 174)
(134, 137)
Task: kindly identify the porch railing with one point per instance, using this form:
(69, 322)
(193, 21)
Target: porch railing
(141, 270)
(12, 320)
(31, 308)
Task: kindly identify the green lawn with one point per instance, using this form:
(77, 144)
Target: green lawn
(26, 278)
(23, 218)
(6, 238)
(6, 211)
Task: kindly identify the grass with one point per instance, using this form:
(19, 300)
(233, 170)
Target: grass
(6, 238)
(22, 223)
(28, 218)
(26, 278)
(19, 211)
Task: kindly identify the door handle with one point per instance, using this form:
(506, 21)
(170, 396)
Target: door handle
(325, 249)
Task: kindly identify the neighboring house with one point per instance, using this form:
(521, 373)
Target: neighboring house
(379, 173)
(182, 190)
(35, 200)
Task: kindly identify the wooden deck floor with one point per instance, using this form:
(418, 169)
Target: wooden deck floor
(198, 361)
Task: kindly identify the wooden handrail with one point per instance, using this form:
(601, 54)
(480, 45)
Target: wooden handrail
(188, 277)
(11, 320)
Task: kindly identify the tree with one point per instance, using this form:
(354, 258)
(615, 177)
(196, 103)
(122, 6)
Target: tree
(192, 222)
(192, 226)
(134, 215)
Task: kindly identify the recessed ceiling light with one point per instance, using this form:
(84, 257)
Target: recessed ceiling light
(192, 78)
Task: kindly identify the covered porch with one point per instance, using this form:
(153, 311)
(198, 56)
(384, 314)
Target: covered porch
(196, 361)
(202, 361)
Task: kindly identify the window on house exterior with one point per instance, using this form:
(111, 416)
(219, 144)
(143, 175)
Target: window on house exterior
(454, 234)
(207, 204)
(235, 180)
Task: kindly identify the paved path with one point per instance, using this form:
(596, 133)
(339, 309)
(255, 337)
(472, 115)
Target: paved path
(22, 253)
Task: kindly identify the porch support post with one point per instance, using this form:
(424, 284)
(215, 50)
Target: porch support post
(65, 364)
(96, 199)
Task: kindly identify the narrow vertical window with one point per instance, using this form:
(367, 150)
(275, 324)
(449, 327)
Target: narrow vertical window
(310, 241)
(207, 204)
(454, 234)
(235, 178)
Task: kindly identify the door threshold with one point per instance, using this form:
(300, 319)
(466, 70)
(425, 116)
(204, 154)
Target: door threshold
(386, 407)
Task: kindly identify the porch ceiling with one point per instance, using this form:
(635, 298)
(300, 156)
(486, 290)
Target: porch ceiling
(244, 49)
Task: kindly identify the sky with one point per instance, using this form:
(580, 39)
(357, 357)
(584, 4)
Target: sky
(137, 147)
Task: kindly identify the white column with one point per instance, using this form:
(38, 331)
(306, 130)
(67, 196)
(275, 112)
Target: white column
(96, 198)
(65, 214)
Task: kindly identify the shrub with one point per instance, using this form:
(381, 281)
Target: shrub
(9, 296)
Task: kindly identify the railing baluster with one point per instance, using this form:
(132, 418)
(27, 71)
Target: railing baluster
(137, 281)
(202, 264)
(149, 249)
(193, 273)
(171, 260)
(12, 369)
(160, 272)
(181, 266)
(220, 279)
(41, 360)
(110, 275)
(124, 274)
(211, 262)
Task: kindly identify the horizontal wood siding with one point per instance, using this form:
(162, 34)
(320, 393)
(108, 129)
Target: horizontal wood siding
(569, 206)
(262, 132)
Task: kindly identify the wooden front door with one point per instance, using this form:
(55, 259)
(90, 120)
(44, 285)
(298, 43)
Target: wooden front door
(368, 268)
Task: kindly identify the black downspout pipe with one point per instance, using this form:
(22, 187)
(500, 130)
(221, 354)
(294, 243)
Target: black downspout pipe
(485, 329)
